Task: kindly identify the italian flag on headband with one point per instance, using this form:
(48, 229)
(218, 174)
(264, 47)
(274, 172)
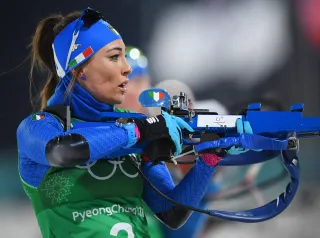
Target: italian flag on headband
(81, 57)
(156, 95)
(37, 117)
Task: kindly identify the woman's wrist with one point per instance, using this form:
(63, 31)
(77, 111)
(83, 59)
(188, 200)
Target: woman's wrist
(211, 159)
(137, 132)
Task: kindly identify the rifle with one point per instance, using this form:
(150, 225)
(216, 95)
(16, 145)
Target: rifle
(275, 133)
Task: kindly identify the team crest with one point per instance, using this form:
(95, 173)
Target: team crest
(38, 116)
(156, 95)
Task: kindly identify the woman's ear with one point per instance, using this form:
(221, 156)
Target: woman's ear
(81, 75)
(73, 72)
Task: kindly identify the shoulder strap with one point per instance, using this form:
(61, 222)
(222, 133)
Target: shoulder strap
(62, 112)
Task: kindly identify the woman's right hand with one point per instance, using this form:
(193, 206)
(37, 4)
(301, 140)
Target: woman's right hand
(174, 125)
(163, 128)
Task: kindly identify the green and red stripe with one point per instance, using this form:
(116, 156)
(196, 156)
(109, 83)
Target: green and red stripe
(81, 57)
(156, 95)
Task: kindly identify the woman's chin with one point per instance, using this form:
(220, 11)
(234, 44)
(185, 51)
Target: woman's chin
(112, 101)
(118, 99)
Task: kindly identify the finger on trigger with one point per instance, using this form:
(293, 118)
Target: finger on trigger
(184, 125)
(247, 127)
(239, 125)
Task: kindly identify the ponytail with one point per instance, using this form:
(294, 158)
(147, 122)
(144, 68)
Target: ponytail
(42, 53)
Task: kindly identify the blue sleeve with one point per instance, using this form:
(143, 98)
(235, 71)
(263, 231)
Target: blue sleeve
(33, 136)
(189, 191)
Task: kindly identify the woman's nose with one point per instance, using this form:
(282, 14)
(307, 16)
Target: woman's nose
(127, 69)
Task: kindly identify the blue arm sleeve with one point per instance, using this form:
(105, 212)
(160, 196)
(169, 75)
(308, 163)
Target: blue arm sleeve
(34, 135)
(189, 191)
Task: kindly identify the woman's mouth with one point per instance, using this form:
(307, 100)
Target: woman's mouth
(122, 87)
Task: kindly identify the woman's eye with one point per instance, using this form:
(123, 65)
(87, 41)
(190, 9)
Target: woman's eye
(114, 57)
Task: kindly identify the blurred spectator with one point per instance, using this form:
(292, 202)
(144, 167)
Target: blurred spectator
(207, 42)
(308, 11)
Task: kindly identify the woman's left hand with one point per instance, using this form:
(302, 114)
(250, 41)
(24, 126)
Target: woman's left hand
(242, 127)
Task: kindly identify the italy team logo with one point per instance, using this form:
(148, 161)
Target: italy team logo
(38, 116)
(156, 95)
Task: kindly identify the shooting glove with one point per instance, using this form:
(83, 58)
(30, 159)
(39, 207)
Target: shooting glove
(164, 133)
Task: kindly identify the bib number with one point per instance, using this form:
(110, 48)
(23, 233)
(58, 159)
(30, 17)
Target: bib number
(122, 226)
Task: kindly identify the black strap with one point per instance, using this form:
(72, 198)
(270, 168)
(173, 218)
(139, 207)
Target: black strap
(165, 196)
(62, 112)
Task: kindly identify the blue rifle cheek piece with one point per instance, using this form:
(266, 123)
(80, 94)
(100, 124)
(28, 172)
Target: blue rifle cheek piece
(149, 98)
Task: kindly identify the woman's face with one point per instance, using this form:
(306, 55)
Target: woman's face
(107, 73)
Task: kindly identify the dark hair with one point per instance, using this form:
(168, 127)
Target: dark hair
(42, 53)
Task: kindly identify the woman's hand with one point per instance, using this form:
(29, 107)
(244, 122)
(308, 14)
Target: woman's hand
(174, 125)
(242, 127)
(165, 134)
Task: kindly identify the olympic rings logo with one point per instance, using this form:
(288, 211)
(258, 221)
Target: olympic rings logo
(116, 164)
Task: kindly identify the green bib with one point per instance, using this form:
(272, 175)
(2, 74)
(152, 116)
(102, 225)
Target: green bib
(101, 199)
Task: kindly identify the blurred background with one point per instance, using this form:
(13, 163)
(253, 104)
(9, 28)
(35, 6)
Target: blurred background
(228, 53)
